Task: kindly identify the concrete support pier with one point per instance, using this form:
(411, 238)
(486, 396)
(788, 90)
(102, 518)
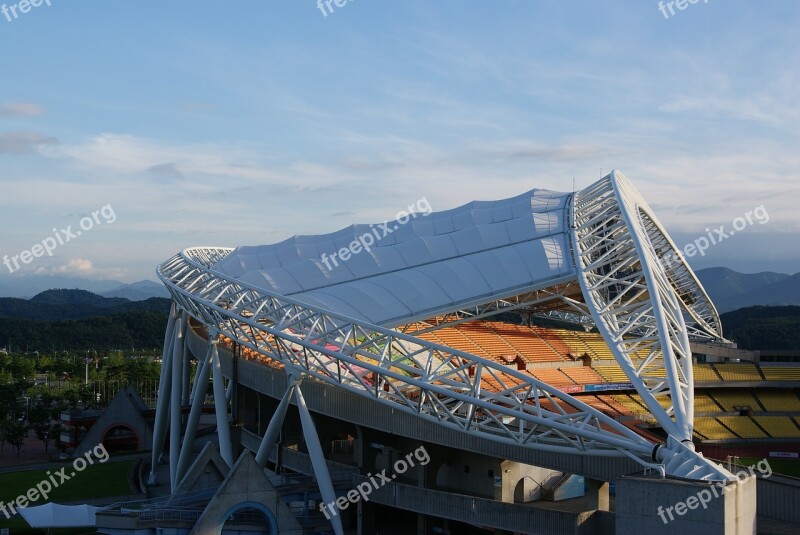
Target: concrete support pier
(597, 494)
(649, 504)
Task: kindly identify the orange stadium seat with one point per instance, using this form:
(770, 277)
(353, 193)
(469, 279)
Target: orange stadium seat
(552, 337)
(583, 375)
(603, 405)
(486, 339)
(616, 407)
(551, 376)
(525, 342)
(454, 338)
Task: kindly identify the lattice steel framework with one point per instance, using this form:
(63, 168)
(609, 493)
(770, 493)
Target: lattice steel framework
(645, 308)
(430, 380)
(644, 299)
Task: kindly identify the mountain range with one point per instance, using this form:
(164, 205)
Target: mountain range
(54, 305)
(25, 287)
(728, 289)
(78, 319)
(731, 290)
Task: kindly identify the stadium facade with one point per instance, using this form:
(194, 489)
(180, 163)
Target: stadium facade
(361, 345)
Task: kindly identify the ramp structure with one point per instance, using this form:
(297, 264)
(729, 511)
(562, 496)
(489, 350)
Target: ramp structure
(598, 256)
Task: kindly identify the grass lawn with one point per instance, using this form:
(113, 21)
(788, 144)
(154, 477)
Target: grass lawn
(788, 467)
(107, 479)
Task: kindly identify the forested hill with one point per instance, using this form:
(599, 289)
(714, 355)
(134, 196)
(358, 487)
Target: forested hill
(77, 319)
(139, 329)
(763, 327)
(74, 304)
(57, 320)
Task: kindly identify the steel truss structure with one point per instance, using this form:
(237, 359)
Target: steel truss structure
(644, 306)
(628, 281)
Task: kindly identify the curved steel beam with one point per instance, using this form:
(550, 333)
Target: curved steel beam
(639, 306)
(411, 374)
(631, 299)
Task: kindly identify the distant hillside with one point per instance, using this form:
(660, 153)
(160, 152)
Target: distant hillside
(53, 305)
(761, 327)
(26, 286)
(138, 291)
(730, 290)
(74, 297)
(139, 329)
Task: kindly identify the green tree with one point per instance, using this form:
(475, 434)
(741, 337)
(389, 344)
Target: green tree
(39, 419)
(15, 435)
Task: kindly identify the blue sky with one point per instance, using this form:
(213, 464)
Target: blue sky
(222, 123)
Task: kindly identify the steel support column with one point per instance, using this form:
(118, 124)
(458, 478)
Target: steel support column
(221, 406)
(275, 423)
(204, 363)
(194, 416)
(175, 401)
(318, 462)
(187, 368)
(164, 384)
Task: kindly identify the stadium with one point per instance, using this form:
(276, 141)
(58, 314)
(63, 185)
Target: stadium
(546, 363)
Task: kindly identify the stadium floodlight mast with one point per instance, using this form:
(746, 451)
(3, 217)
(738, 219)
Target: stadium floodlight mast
(647, 311)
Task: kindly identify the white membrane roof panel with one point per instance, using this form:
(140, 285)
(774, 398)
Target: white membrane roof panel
(430, 263)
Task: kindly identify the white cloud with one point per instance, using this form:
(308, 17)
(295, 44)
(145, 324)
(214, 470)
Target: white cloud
(22, 142)
(132, 155)
(20, 109)
(81, 267)
(747, 109)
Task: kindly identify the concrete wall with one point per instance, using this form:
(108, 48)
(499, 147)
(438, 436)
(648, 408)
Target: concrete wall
(718, 353)
(571, 488)
(487, 512)
(120, 411)
(463, 470)
(246, 484)
(668, 506)
(522, 483)
(779, 498)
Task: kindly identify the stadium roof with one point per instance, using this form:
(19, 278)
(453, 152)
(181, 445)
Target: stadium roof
(420, 265)
(599, 251)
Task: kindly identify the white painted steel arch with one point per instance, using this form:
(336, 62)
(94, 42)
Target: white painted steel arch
(645, 309)
(642, 297)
